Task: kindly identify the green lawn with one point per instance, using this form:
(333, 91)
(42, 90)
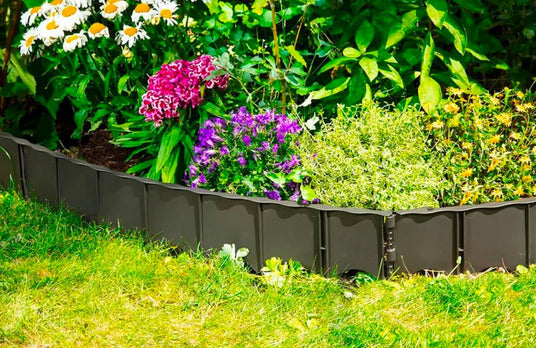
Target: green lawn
(66, 283)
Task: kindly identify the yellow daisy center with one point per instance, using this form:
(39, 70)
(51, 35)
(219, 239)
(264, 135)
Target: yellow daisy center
(166, 13)
(142, 8)
(52, 25)
(30, 41)
(110, 8)
(34, 10)
(69, 11)
(71, 38)
(96, 28)
(56, 2)
(131, 31)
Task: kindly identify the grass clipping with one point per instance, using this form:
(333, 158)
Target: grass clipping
(373, 157)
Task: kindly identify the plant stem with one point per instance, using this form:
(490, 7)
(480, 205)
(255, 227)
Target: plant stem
(278, 58)
(298, 33)
(17, 4)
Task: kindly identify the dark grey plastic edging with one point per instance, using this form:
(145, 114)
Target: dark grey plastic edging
(320, 237)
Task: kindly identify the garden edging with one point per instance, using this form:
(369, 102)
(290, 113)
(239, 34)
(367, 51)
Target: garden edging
(319, 236)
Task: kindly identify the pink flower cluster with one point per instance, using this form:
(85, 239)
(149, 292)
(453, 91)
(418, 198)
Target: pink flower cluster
(178, 85)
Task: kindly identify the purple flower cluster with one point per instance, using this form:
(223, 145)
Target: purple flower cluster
(178, 85)
(238, 154)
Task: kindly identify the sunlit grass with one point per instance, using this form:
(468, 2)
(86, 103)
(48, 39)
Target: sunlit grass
(67, 283)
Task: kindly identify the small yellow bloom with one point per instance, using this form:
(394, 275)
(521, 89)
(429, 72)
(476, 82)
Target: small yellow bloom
(495, 139)
(515, 136)
(519, 191)
(520, 95)
(467, 146)
(494, 163)
(454, 91)
(534, 190)
(526, 178)
(127, 53)
(467, 173)
(466, 197)
(454, 122)
(451, 107)
(525, 167)
(524, 159)
(504, 118)
(497, 194)
(495, 101)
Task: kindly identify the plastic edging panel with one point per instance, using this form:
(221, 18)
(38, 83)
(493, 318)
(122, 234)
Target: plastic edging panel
(426, 242)
(40, 173)
(355, 242)
(225, 221)
(172, 214)
(78, 187)
(121, 200)
(10, 167)
(292, 233)
(495, 238)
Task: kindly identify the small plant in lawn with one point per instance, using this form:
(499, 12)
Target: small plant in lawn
(489, 145)
(250, 155)
(278, 273)
(229, 253)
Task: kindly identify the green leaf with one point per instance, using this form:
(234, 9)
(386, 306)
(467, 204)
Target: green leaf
(429, 93)
(409, 20)
(170, 140)
(82, 85)
(334, 87)
(437, 11)
(475, 53)
(370, 67)
(396, 33)
(393, 75)
(278, 178)
(258, 5)
(307, 192)
(427, 56)
(296, 55)
(21, 71)
(351, 52)
(460, 39)
(122, 83)
(335, 63)
(471, 5)
(364, 36)
(227, 13)
(169, 170)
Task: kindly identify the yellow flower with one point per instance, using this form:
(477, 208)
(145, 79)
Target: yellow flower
(454, 91)
(466, 197)
(467, 146)
(467, 173)
(494, 163)
(520, 95)
(455, 121)
(127, 53)
(525, 167)
(451, 107)
(497, 194)
(534, 190)
(435, 125)
(515, 136)
(495, 101)
(504, 118)
(495, 139)
(526, 178)
(519, 191)
(524, 159)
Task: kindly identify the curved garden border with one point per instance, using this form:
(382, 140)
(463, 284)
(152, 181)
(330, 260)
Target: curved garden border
(319, 236)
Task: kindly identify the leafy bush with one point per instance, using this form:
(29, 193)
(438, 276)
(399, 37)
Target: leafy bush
(489, 143)
(372, 157)
(250, 155)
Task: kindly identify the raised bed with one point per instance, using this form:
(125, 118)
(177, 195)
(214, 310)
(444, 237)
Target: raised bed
(320, 237)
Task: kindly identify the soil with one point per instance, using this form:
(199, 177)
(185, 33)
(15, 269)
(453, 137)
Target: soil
(95, 148)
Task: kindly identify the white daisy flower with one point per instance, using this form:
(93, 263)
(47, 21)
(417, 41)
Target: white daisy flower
(113, 8)
(73, 41)
(81, 3)
(71, 16)
(49, 31)
(27, 42)
(28, 17)
(98, 30)
(129, 35)
(54, 6)
(166, 10)
(143, 11)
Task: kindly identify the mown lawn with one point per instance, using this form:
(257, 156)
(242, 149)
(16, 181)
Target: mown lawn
(67, 283)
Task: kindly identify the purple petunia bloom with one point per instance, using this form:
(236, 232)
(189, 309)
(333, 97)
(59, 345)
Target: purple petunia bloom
(272, 194)
(246, 139)
(241, 160)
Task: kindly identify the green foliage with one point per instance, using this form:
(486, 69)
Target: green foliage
(278, 273)
(229, 253)
(394, 50)
(373, 157)
(489, 144)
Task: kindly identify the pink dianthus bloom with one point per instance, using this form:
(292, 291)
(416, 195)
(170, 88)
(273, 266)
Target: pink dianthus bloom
(178, 84)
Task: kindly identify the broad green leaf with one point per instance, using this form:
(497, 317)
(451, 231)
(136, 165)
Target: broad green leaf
(226, 14)
(393, 75)
(429, 94)
(258, 6)
(82, 85)
(121, 84)
(460, 39)
(396, 33)
(169, 170)
(20, 70)
(364, 36)
(351, 52)
(471, 5)
(335, 63)
(170, 140)
(437, 11)
(477, 54)
(356, 88)
(307, 193)
(278, 178)
(456, 68)
(296, 55)
(427, 57)
(409, 19)
(79, 118)
(370, 67)
(334, 87)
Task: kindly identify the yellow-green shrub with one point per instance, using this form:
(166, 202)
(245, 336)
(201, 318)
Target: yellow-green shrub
(372, 157)
(489, 143)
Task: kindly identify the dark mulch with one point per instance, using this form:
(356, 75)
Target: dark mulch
(95, 148)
